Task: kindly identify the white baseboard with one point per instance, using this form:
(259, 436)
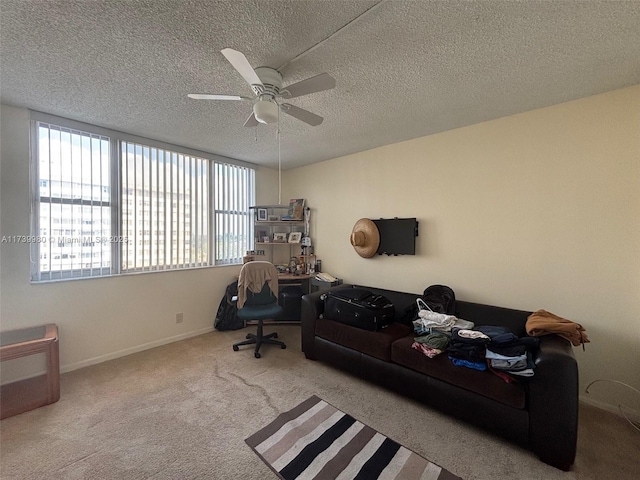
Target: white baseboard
(128, 351)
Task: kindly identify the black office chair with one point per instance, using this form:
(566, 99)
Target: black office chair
(259, 306)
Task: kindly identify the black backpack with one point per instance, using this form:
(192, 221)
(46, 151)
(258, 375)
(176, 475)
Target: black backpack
(440, 298)
(227, 316)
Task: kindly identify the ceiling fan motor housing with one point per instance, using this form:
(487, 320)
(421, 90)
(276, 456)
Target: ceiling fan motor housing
(266, 108)
(271, 81)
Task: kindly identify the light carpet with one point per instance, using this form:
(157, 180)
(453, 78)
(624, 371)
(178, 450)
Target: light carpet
(183, 411)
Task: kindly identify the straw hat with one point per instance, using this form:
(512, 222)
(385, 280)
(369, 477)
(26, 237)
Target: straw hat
(365, 238)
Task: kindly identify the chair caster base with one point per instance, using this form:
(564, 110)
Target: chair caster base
(258, 339)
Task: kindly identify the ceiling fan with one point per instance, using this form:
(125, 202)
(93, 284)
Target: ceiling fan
(266, 83)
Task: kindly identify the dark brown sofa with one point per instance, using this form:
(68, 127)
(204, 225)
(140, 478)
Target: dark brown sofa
(540, 414)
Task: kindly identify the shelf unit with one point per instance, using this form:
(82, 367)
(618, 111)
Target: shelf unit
(268, 225)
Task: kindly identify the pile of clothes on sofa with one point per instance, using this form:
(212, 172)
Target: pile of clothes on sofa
(494, 348)
(484, 347)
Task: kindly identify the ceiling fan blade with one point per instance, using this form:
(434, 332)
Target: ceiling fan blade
(321, 82)
(242, 65)
(301, 114)
(207, 96)
(252, 121)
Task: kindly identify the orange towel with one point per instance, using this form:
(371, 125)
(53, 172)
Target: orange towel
(546, 323)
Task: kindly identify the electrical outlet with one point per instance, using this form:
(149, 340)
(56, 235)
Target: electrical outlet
(179, 317)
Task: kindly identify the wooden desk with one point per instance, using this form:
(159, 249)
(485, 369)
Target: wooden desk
(24, 395)
(288, 279)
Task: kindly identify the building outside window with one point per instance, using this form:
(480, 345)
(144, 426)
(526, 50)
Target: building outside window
(74, 190)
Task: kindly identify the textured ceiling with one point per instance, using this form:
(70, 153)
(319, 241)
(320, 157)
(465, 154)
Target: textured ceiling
(404, 69)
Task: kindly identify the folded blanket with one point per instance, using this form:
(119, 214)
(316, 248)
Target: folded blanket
(427, 350)
(434, 340)
(545, 323)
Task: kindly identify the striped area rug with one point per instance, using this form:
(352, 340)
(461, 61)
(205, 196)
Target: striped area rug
(317, 441)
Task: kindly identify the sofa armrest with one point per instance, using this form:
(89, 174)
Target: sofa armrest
(553, 403)
(311, 309)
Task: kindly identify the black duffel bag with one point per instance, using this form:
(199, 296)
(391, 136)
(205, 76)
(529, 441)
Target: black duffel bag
(227, 315)
(358, 307)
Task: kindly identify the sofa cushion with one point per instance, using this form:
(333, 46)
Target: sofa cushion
(484, 383)
(377, 344)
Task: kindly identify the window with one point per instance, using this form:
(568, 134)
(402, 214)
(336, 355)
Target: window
(169, 227)
(108, 203)
(234, 193)
(73, 190)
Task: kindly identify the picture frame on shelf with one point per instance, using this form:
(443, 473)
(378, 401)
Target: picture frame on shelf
(294, 237)
(280, 237)
(262, 214)
(296, 209)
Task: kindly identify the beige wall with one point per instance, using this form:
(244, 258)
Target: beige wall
(100, 318)
(537, 210)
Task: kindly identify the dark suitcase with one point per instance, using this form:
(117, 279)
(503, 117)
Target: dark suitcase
(358, 307)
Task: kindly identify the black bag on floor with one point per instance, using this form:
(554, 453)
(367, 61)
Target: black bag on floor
(358, 307)
(227, 316)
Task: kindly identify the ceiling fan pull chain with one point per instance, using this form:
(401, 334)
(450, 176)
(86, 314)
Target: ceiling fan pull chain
(279, 163)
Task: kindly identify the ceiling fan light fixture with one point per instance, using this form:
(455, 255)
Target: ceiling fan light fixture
(266, 111)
